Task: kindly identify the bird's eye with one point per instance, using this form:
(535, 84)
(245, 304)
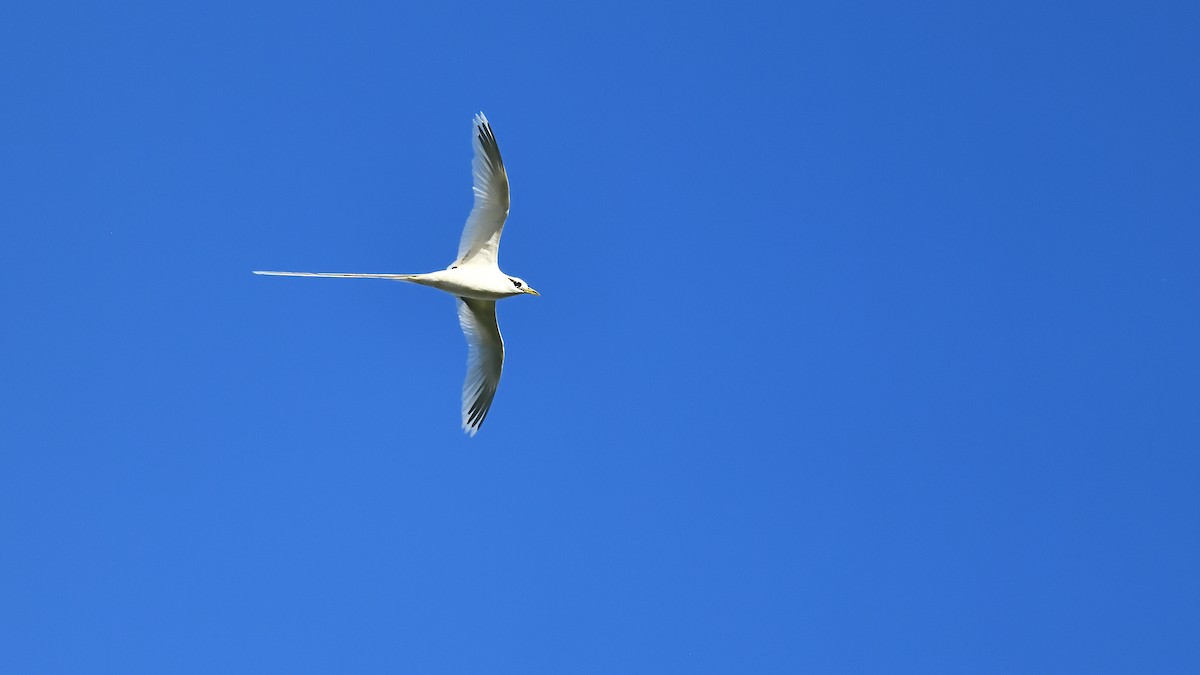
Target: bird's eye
(516, 283)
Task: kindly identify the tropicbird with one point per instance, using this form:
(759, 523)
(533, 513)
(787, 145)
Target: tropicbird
(474, 278)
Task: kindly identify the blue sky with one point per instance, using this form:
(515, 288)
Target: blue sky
(867, 339)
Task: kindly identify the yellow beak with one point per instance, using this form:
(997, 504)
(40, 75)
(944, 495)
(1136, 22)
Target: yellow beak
(531, 291)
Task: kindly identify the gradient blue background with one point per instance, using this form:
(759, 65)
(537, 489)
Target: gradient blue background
(868, 339)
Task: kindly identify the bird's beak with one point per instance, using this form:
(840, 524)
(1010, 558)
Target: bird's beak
(531, 291)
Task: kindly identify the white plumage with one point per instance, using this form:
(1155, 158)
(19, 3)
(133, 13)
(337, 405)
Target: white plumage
(474, 277)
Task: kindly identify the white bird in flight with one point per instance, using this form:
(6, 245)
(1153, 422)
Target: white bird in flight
(474, 278)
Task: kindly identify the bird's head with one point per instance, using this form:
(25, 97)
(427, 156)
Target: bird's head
(519, 286)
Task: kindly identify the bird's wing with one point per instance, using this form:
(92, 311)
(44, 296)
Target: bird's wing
(481, 235)
(485, 359)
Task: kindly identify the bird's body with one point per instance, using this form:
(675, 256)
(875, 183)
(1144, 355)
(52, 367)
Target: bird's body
(481, 282)
(474, 278)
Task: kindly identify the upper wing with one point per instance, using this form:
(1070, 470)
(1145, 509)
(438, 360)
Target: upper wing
(481, 236)
(485, 359)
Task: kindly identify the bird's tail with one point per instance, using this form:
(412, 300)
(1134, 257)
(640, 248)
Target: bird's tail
(345, 275)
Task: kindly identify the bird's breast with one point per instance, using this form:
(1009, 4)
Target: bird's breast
(481, 284)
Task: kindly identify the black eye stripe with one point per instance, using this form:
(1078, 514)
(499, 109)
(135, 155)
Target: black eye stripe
(515, 283)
